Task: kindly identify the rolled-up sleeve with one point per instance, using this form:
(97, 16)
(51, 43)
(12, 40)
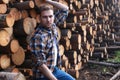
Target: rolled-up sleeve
(60, 16)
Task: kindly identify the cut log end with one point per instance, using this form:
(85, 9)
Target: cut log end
(4, 38)
(5, 1)
(28, 25)
(19, 56)
(3, 8)
(4, 61)
(14, 45)
(12, 76)
(31, 3)
(10, 20)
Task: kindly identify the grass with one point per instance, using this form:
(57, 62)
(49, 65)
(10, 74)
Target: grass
(116, 57)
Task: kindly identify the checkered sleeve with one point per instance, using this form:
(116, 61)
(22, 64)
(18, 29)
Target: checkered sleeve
(60, 16)
(37, 48)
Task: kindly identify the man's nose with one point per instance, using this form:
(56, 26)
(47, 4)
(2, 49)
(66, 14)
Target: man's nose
(48, 18)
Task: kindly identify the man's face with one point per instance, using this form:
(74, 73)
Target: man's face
(47, 18)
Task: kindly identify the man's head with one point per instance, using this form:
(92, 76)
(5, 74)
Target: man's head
(46, 15)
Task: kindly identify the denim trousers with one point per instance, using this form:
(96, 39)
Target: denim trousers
(60, 75)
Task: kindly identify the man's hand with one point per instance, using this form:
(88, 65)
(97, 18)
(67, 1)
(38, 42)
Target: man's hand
(47, 72)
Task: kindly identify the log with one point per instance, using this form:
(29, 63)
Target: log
(4, 1)
(11, 76)
(79, 58)
(24, 14)
(15, 13)
(92, 47)
(81, 29)
(23, 27)
(75, 39)
(24, 5)
(26, 71)
(28, 63)
(18, 57)
(85, 56)
(72, 61)
(65, 63)
(75, 5)
(113, 48)
(3, 8)
(76, 66)
(75, 46)
(71, 18)
(5, 61)
(80, 12)
(71, 7)
(65, 42)
(66, 25)
(79, 4)
(85, 46)
(71, 54)
(66, 33)
(12, 47)
(97, 55)
(84, 21)
(69, 1)
(59, 34)
(11, 69)
(33, 13)
(6, 20)
(4, 37)
(15, 70)
(9, 30)
(22, 41)
(61, 49)
(80, 65)
(85, 6)
(115, 76)
(100, 49)
(79, 51)
(103, 63)
(89, 30)
(38, 3)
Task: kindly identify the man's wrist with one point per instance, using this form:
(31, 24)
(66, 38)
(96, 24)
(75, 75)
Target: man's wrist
(53, 78)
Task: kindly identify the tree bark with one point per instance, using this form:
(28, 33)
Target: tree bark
(24, 5)
(6, 20)
(104, 63)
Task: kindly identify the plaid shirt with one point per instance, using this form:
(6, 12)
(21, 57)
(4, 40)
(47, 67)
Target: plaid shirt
(41, 44)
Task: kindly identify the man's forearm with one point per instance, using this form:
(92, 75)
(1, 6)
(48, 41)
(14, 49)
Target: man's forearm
(47, 72)
(57, 4)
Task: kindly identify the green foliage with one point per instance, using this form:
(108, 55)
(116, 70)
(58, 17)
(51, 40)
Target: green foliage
(116, 57)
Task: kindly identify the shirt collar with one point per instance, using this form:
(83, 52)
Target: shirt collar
(45, 28)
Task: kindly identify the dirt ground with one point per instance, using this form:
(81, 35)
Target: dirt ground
(97, 72)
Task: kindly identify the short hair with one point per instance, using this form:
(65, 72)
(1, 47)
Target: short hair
(45, 7)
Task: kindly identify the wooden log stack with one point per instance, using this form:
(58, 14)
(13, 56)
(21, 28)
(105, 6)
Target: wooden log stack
(91, 31)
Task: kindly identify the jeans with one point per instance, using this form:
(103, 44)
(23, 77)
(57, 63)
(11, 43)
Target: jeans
(60, 75)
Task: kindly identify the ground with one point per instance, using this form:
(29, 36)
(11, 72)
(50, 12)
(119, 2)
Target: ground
(97, 72)
(100, 72)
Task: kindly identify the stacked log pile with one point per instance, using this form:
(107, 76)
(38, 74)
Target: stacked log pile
(93, 34)
(91, 31)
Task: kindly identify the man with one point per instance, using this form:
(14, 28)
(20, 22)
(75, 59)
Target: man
(44, 44)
